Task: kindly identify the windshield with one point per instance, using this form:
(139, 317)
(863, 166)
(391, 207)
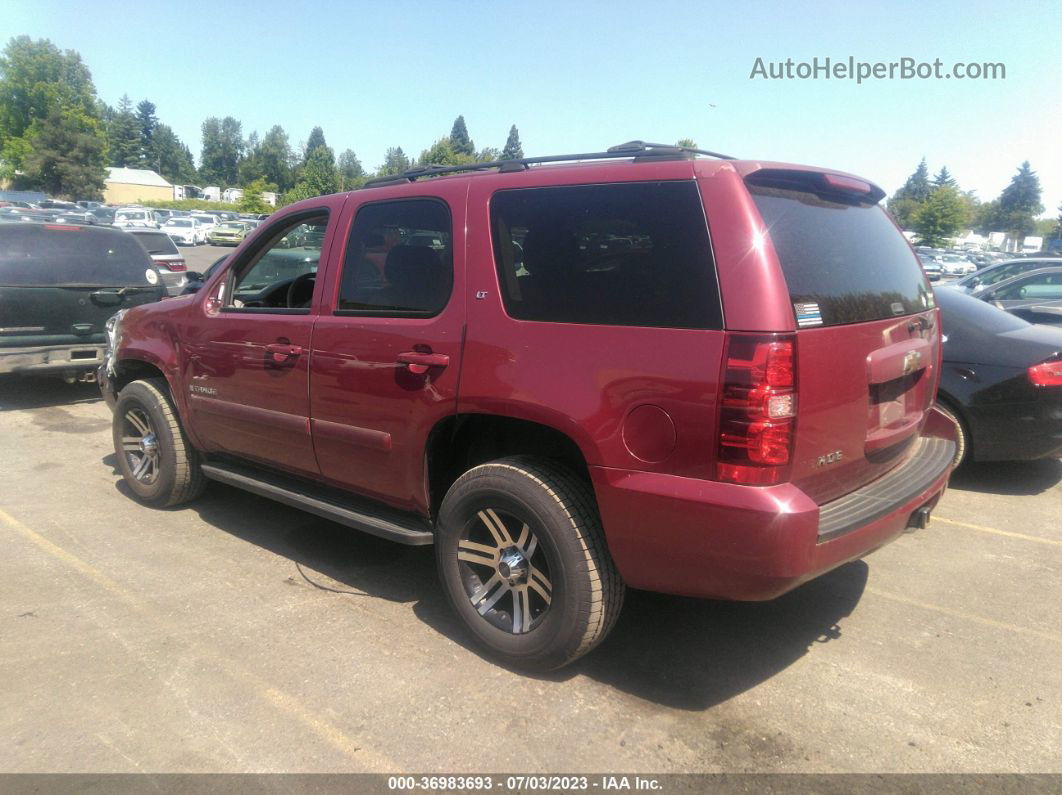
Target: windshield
(33, 255)
(232, 226)
(178, 222)
(132, 216)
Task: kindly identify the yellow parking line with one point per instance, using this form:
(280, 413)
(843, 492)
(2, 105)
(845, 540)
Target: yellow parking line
(950, 611)
(365, 759)
(1053, 542)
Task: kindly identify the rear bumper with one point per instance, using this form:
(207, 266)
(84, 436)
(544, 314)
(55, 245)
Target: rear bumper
(51, 358)
(719, 540)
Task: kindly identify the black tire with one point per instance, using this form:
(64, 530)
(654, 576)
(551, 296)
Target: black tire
(568, 574)
(962, 452)
(171, 475)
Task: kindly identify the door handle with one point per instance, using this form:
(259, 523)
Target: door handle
(280, 352)
(418, 363)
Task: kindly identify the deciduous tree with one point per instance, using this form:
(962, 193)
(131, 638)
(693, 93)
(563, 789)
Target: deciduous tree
(351, 173)
(941, 216)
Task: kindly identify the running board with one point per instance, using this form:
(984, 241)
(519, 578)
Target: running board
(350, 511)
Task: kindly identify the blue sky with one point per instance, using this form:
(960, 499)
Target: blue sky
(582, 76)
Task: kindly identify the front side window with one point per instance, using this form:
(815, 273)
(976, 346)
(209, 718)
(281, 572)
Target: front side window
(399, 259)
(1047, 286)
(281, 274)
(627, 254)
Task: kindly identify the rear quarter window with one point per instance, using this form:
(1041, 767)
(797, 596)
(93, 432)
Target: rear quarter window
(846, 257)
(627, 254)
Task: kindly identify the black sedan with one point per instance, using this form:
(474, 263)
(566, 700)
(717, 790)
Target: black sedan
(1001, 381)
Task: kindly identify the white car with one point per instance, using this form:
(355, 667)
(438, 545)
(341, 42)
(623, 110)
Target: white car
(207, 222)
(185, 231)
(954, 265)
(135, 218)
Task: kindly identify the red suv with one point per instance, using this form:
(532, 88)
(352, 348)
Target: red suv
(652, 367)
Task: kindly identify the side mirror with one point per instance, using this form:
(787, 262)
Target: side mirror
(194, 283)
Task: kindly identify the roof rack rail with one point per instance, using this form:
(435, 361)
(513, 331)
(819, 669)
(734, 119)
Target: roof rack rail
(639, 150)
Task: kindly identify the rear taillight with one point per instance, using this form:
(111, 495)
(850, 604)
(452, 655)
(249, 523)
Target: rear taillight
(757, 410)
(176, 265)
(1046, 374)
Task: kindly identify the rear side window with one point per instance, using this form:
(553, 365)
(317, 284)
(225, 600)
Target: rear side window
(38, 255)
(399, 260)
(627, 254)
(844, 261)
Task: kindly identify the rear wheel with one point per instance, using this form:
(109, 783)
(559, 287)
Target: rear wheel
(159, 465)
(961, 436)
(523, 559)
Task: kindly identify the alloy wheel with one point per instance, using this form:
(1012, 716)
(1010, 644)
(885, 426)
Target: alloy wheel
(506, 576)
(140, 445)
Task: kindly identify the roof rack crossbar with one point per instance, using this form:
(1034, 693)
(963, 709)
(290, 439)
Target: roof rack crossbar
(638, 149)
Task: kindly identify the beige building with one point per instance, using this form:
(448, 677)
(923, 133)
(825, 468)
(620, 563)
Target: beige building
(135, 186)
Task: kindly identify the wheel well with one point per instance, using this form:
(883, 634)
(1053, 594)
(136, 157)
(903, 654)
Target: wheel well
(463, 441)
(953, 405)
(134, 370)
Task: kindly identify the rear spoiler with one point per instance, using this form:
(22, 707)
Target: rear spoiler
(832, 187)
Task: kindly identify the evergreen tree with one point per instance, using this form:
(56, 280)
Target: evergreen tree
(1019, 203)
(316, 139)
(171, 157)
(513, 149)
(123, 136)
(487, 154)
(351, 173)
(906, 201)
(917, 186)
(459, 139)
(145, 116)
(944, 178)
(689, 143)
(395, 162)
(66, 157)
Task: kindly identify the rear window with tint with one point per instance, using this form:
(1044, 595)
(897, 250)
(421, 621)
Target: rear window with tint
(848, 258)
(156, 242)
(627, 254)
(36, 256)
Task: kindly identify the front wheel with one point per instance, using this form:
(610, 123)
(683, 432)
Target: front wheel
(523, 559)
(158, 464)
